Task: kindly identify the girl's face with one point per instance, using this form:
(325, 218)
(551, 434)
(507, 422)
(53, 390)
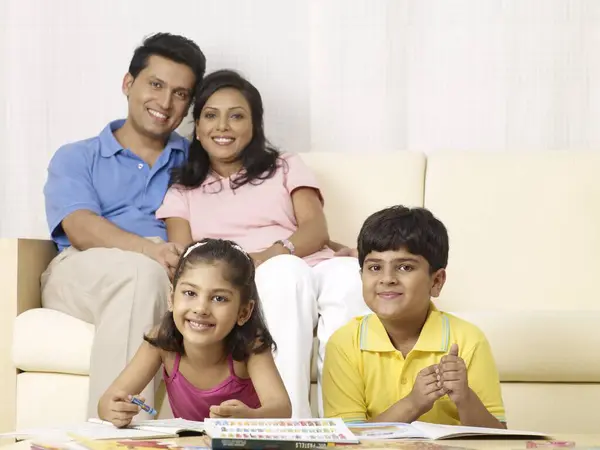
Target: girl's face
(206, 307)
(225, 125)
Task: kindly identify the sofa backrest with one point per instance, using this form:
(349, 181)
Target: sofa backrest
(524, 228)
(355, 185)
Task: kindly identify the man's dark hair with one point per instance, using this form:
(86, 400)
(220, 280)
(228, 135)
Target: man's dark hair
(415, 230)
(171, 46)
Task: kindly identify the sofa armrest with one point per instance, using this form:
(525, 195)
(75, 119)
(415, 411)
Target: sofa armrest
(22, 262)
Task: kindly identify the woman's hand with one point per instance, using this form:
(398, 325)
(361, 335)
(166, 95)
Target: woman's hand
(347, 251)
(265, 255)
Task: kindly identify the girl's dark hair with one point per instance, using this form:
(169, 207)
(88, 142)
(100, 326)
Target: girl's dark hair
(253, 336)
(259, 159)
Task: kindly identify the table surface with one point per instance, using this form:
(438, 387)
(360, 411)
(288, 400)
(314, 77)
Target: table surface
(581, 441)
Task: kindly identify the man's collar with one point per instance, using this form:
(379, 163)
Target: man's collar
(434, 337)
(109, 146)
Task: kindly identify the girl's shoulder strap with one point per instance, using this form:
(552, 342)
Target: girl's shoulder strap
(230, 361)
(176, 363)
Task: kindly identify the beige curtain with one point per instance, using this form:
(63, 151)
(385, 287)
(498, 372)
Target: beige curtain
(336, 75)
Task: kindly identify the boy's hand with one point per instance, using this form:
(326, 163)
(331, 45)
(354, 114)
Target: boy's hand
(426, 390)
(452, 376)
(120, 410)
(231, 408)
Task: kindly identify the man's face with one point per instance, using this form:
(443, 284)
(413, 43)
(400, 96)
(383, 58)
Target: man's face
(159, 97)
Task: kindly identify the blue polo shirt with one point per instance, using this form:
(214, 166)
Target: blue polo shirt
(99, 175)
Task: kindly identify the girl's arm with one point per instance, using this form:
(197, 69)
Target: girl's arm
(311, 235)
(274, 399)
(115, 404)
(179, 231)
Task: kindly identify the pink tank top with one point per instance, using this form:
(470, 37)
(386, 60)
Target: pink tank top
(189, 402)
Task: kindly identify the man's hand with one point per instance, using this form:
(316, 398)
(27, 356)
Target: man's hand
(426, 390)
(347, 251)
(119, 410)
(231, 408)
(452, 376)
(167, 254)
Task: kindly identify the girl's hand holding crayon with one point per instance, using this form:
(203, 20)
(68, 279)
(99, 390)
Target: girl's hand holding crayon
(119, 409)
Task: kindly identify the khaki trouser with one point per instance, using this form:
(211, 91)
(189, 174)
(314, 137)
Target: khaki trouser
(122, 293)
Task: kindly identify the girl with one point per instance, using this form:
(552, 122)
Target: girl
(213, 344)
(236, 186)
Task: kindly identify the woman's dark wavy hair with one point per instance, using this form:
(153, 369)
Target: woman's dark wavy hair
(253, 336)
(259, 159)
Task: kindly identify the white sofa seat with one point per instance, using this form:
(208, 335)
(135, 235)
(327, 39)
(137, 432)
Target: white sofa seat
(52, 352)
(46, 340)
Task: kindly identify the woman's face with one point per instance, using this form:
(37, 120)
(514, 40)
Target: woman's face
(225, 125)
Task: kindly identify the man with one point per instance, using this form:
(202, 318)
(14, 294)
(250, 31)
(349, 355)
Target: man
(101, 195)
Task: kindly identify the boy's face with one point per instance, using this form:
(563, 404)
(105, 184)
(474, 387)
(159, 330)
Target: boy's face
(398, 285)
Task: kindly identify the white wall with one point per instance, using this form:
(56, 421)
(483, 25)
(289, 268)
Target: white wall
(336, 75)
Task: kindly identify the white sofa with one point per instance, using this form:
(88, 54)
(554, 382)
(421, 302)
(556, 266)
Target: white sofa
(524, 263)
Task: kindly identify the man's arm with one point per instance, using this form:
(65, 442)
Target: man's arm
(86, 229)
(73, 208)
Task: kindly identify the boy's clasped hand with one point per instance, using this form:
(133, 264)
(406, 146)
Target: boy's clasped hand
(435, 381)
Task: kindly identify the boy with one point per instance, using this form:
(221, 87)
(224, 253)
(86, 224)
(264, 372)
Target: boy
(409, 361)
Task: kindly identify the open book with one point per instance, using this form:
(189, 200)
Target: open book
(95, 429)
(423, 430)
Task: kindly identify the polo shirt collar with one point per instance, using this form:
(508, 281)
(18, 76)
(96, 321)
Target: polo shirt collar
(434, 337)
(109, 146)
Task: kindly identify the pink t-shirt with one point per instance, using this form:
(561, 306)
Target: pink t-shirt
(253, 215)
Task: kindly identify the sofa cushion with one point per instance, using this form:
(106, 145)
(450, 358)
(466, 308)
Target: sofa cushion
(46, 340)
(542, 346)
(396, 177)
(65, 398)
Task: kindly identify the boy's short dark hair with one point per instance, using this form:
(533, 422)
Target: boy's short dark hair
(171, 46)
(416, 230)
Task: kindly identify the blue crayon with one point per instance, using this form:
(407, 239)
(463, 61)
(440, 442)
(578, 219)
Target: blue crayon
(149, 409)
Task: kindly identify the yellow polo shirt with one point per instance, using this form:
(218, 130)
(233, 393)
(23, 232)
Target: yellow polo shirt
(364, 374)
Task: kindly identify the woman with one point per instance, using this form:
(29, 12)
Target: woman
(236, 186)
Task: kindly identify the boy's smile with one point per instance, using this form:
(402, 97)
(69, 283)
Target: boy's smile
(398, 284)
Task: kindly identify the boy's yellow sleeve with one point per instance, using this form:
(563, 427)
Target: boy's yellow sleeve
(343, 386)
(484, 379)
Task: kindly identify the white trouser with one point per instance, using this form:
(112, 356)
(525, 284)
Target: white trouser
(294, 296)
